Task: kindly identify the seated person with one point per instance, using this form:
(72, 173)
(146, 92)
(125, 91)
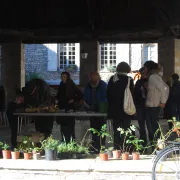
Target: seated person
(13, 107)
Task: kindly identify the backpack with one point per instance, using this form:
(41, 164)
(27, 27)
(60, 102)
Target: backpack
(129, 107)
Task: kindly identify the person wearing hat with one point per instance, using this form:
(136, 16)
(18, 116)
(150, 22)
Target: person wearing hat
(139, 100)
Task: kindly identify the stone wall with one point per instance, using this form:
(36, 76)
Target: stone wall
(36, 61)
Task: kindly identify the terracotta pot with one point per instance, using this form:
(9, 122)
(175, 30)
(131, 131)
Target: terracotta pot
(125, 156)
(15, 155)
(116, 154)
(103, 156)
(136, 156)
(27, 156)
(6, 154)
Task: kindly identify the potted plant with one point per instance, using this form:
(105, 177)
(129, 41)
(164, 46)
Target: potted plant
(50, 146)
(62, 150)
(137, 143)
(26, 146)
(6, 151)
(125, 134)
(102, 134)
(15, 153)
(36, 153)
(110, 152)
(116, 154)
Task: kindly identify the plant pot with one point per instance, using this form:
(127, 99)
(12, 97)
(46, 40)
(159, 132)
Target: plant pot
(116, 154)
(36, 156)
(135, 156)
(63, 155)
(15, 155)
(27, 156)
(125, 156)
(103, 156)
(50, 154)
(110, 154)
(6, 154)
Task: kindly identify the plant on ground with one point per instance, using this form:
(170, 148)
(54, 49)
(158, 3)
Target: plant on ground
(137, 143)
(50, 143)
(101, 134)
(26, 146)
(125, 134)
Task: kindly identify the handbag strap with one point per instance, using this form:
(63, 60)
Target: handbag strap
(128, 85)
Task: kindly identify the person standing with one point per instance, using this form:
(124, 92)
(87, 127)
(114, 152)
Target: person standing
(68, 94)
(94, 94)
(115, 96)
(139, 100)
(157, 96)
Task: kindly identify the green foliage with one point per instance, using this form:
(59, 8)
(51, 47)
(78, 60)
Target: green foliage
(50, 143)
(26, 146)
(5, 146)
(71, 68)
(1, 144)
(125, 134)
(16, 150)
(111, 69)
(176, 123)
(136, 142)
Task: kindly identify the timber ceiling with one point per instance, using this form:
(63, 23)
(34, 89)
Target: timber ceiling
(76, 20)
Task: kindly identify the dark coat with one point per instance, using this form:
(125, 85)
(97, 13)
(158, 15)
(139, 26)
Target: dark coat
(115, 97)
(66, 92)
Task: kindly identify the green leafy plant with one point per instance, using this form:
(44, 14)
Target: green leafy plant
(16, 150)
(125, 134)
(137, 143)
(101, 134)
(5, 146)
(1, 144)
(50, 143)
(26, 146)
(71, 68)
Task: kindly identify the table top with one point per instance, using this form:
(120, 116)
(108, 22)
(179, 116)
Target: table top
(74, 114)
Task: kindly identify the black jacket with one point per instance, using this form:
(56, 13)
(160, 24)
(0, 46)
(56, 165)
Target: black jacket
(139, 97)
(115, 97)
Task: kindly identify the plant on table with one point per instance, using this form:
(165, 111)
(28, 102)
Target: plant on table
(137, 144)
(125, 135)
(50, 146)
(102, 134)
(6, 151)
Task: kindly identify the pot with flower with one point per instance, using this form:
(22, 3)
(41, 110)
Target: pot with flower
(137, 144)
(15, 153)
(125, 134)
(6, 151)
(102, 134)
(50, 146)
(116, 154)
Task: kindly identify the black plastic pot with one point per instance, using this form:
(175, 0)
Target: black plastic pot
(50, 154)
(63, 155)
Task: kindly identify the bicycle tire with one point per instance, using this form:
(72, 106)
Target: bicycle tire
(165, 152)
(162, 151)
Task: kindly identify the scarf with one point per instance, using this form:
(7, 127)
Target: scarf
(116, 76)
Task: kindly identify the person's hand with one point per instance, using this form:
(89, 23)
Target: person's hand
(161, 105)
(71, 101)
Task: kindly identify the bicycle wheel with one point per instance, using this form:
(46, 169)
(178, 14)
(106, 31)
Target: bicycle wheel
(167, 165)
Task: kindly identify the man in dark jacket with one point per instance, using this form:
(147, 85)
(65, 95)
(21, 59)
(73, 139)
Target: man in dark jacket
(94, 94)
(13, 107)
(140, 99)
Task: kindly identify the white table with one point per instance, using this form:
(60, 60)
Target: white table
(26, 116)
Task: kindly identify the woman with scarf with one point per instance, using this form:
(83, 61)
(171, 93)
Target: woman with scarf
(68, 95)
(115, 96)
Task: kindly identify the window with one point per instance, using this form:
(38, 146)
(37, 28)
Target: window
(149, 52)
(68, 55)
(108, 55)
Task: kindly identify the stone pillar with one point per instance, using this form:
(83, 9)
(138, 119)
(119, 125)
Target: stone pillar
(169, 56)
(91, 63)
(13, 67)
